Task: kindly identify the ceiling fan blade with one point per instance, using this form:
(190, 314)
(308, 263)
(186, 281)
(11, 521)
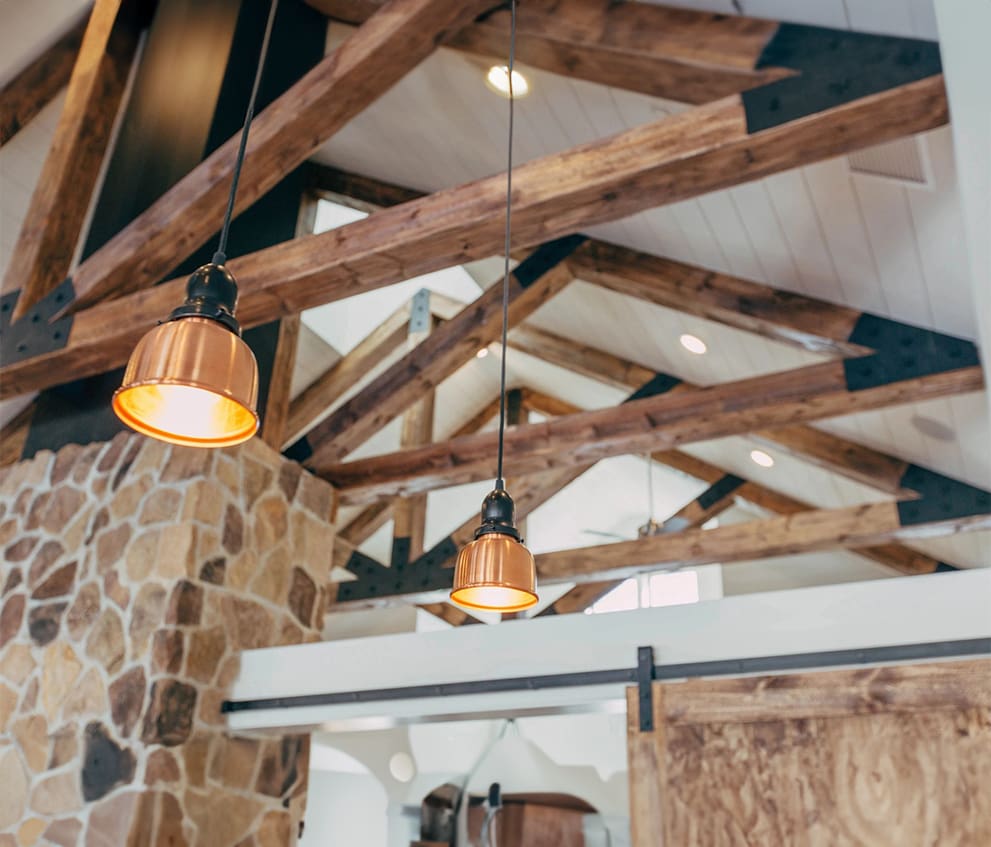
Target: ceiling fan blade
(606, 534)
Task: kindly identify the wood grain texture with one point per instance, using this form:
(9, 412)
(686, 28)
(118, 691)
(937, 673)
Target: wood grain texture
(314, 403)
(276, 417)
(429, 363)
(674, 159)
(32, 89)
(819, 529)
(50, 231)
(646, 756)
(378, 54)
(14, 435)
(639, 426)
(790, 318)
(449, 613)
(861, 781)
(677, 54)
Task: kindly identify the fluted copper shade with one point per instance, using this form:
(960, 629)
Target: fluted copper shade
(191, 381)
(495, 572)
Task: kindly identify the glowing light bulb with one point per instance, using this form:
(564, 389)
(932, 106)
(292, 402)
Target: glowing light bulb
(693, 344)
(498, 80)
(761, 458)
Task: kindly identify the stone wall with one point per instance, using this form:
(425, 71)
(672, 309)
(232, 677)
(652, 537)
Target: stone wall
(133, 574)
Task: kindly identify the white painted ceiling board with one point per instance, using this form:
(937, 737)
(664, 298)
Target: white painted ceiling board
(965, 549)
(32, 26)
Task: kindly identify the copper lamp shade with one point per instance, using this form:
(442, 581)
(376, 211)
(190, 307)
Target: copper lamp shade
(496, 572)
(192, 380)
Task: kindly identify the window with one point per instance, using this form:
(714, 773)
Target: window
(667, 588)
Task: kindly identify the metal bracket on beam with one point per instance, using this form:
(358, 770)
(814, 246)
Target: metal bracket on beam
(35, 333)
(645, 685)
(419, 315)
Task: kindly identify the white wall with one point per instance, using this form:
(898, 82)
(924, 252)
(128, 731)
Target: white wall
(347, 809)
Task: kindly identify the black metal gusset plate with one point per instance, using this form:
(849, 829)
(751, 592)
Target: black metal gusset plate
(545, 258)
(834, 67)
(657, 384)
(426, 573)
(941, 498)
(903, 352)
(35, 333)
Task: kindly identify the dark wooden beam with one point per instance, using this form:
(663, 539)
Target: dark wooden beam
(531, 284)
(35, 86)
(677, 54)
(359, 192)
(14, 435)
(367, 64)
(652, 423)
(276, 414)
(708, 148)
(54, 220)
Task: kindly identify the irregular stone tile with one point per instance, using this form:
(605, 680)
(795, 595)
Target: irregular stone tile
(169, 718)
(169, 832)
(20, 549)
(37, 510)
(186, 463)
(110, 820)
(161, 767)
(127, 696)
(113, 589)
(195, 753)
(110, 546)
(248, 624)
(275, 829)
(209, 712)
(44, 622)
(64, 460)
(57, 795)
(16, 663)
(9, 529)
(8, 702)
(234, 760)
(100, 520)
(233, 539)
(206, 649)
(13, 798)
(255, 478)
(146, 615)
(161, 506)
(59, 583)
(141, 554)
(316, 495)
(86, 462)
(14, 578)
(289, 474)
(228, 672)
(30, 698)
(114, 450)
(64, 832)
(271, 581)
(228, 472)
(84, 610)
(30, 831)
(242, 569)
(31, 733)
(289, 633)
(302, 596)
(105, 763)
(23, 501)
(213, 571)
(88, 698)
(204, 502)
(185, 604)
(11, 618)
(281, 765)
(106, 641)
(221, 817)
(271, 522)
(167, 651)
(176, 552)
(65, 745)
(129, 457)
(64, 503)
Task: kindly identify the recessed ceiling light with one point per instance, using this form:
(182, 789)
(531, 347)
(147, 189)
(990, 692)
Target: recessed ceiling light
(481, 354)
(693, 344)
(498, 80)
(761, 458)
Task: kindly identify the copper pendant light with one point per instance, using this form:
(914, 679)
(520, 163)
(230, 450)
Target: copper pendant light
(496, 572)
(192, 380)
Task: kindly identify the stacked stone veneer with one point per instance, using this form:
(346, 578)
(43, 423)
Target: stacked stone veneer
(133, 574)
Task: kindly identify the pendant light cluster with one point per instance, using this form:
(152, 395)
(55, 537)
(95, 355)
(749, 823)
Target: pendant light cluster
(192, 380)
(496, 571)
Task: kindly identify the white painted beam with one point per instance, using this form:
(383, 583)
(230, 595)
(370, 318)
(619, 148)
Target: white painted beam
(909, 610)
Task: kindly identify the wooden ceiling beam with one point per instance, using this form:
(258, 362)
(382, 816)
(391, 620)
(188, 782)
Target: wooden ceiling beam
(711, 147)
(50, 232)
(392, 42)
(456, 342)
(903, 560)
(652, 423)
(677, 54)
(36, 86)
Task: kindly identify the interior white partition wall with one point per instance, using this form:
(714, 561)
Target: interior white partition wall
(885, 613)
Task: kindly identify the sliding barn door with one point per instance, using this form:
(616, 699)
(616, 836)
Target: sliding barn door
(887, 757)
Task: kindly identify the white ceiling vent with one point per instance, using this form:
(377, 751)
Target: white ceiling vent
(905, 160)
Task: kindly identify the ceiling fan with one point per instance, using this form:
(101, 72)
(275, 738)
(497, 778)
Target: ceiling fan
(652, 526)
